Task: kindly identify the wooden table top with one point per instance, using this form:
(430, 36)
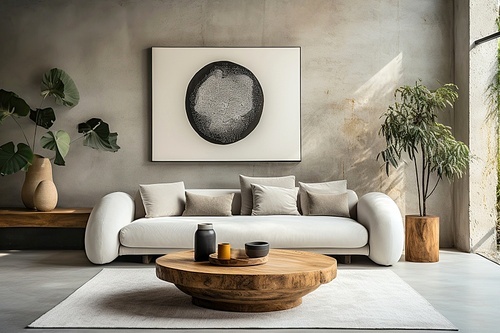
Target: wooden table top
(284, 269)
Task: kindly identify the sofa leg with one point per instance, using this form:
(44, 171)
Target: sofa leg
(147, 259)
(346, 259)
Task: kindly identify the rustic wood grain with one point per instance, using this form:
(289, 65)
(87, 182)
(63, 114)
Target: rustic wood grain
(422, 238)
(57, 218)
(277, 285)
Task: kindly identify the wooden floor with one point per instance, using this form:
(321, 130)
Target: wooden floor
(465, 288)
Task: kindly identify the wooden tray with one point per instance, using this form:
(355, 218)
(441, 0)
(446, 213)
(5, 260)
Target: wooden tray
(237, 260)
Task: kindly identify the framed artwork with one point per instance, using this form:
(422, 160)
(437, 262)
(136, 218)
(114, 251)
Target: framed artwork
(226, 104)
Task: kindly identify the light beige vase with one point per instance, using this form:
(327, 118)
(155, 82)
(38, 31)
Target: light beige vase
(45, 197)
(39, 170)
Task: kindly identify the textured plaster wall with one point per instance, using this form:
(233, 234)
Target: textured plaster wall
(354, 54)
(475, 195)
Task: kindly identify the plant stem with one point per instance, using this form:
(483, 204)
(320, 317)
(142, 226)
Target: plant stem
(418, 186)
(24, 134)
(36, 122)
(424, 188)
(34, 135)
(435, 185)
(427, 175)
(428, 181)
(79, 138)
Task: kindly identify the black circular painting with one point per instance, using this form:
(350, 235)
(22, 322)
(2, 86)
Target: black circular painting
(224, 102)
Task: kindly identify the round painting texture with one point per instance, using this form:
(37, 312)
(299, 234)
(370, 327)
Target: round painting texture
(224, 102)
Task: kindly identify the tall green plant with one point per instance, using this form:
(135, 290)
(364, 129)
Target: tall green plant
(58, 84)
(410, 126)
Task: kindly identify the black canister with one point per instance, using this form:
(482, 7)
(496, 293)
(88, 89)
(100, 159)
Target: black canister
(204, 241)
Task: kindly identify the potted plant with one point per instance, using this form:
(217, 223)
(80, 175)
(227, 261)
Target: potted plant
(410, 128)
(58, 84)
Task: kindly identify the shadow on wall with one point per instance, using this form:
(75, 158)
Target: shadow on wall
(362, 125)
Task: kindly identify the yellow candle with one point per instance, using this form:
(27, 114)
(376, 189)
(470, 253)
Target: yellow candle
(224, 251)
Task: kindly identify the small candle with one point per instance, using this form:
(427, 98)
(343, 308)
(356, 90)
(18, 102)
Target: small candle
(224, 251)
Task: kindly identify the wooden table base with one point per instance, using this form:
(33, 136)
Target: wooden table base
(247, 307)
(246, 300)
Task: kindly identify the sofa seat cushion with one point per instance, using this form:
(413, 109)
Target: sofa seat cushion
(279, 230)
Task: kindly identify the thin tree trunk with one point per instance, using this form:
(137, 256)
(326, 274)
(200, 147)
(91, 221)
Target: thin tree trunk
(424, 188)
(418, 185)
(435, 185)
(426, 191)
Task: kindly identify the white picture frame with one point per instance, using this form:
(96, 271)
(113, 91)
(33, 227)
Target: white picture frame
(277, 136)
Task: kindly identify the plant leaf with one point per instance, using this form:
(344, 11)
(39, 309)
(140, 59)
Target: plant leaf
(12, 161)
(97, 135)
(43, 117)
(113, 137)
(60, 85)
(58, 142)
(11, 104)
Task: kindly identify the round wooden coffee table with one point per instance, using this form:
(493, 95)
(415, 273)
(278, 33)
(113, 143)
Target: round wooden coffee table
(277, 285)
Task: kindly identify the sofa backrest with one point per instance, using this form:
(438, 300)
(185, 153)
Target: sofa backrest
(236, 205)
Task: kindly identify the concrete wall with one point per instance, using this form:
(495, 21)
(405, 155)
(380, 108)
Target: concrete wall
(474, 195)
(354, 54)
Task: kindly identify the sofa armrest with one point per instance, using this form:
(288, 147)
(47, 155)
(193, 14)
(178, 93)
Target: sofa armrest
(381, 217)
(108, 217)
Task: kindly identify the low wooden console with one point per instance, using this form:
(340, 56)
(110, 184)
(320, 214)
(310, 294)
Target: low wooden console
(58, 218)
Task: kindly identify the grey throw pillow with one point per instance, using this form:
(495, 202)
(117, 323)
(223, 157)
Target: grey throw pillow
(271, 200)
(165, 199)
(205, 205)
(336, 186)
(328, 204)
(246, 189)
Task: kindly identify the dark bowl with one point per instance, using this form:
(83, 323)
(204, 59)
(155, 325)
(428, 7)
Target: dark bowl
(257, 249)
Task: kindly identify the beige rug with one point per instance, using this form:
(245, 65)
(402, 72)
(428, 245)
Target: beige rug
(135, 298)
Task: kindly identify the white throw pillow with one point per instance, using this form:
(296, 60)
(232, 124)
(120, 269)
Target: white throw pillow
(166, 199)
(332, 187)
(246, 189)
(271, 200)
(206, 205)
(327, 204)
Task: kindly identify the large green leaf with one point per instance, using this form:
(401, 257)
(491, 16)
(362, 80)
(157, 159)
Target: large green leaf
(11, 104)
(58, 142)
(43, 117)
(12, 161)
(97, 135)
(60, 85)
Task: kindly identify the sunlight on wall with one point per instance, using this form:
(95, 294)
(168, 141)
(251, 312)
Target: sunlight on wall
(369, 102)
(381, 84)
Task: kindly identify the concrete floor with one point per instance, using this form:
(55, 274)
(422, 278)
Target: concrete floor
(465, 288)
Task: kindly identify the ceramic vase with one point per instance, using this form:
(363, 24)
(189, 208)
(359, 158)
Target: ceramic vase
(39, 170)
(204, 241)
(45, 197)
